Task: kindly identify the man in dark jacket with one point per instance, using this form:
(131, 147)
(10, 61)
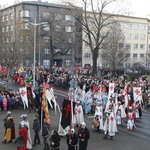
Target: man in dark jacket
(45, 134)
(54, 140)
(36, 130)
(84, 136)
(72, 140)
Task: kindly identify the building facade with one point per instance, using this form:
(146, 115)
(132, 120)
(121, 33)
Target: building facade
(64, 24)
(137, 36)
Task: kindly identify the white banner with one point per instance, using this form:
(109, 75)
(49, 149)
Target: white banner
(137, 94)
(111, 89)
(23, 94)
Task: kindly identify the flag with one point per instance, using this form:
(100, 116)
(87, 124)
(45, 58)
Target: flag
(66, 113)
(23, 94)
(137, 94)
(111, 89)
(45, 105)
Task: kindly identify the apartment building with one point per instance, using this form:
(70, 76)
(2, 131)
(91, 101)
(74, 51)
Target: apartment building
(137, 36)
(65, 24)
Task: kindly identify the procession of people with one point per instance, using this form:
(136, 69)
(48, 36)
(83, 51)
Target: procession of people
(111, 102)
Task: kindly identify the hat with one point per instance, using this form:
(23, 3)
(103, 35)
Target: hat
(72, 130)
(23, 116)
(83, 124)
(9, 112)
(78, 102)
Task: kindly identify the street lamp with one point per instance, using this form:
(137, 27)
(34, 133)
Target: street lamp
(35, 24)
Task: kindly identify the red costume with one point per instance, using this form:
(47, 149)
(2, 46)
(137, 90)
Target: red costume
(23, 132)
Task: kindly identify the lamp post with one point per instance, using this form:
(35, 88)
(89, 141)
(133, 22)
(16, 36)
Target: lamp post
(35, 24)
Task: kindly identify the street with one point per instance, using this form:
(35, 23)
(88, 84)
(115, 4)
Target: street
(137, 139)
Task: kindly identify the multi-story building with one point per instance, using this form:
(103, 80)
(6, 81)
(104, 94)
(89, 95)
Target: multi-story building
(137, 38)
(65, 24)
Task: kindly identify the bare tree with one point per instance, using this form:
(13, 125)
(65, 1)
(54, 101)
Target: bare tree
(114, 48)
(55, 37)
(15, 46)
(94, 23)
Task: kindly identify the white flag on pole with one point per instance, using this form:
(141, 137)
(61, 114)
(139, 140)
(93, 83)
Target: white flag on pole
(23, 94)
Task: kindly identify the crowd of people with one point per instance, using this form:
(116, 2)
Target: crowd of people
(111, 101)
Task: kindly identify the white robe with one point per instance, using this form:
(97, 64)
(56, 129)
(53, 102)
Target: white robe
(110, 126)
(78, 117)
(99, 113)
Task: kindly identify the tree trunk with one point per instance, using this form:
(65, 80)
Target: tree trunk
(94, 69)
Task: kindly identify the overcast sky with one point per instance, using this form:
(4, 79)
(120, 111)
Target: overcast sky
(140, 8)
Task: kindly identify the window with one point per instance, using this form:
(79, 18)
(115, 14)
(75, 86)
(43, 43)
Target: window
(11, 16)
(57, 50)
(26, 26)
(26, 13)
(70, 40)
(68, 29)
(27, 62)
(142, 36)
(128, 46)
(142, 46)
(57, 28)
(127, 65)
(3, 18)
(120, 45)
(142, 26)
(45, 15)
(69, 17)
(6, 17)
(46, 63)
(11, 39)
(46, 27)
(87, 55)
(86, 45)
(46, 39)
(135, 26)
(3, 29)
(136, 36)
(21, 38)
(21, 13)
(11, 28)
(128, 55)
(141, 55)
(46, 51)
(58, 17)
(67, 62)
(129, 26)
(135, 46)
(69, 52)
(7, 28)
(128, 36)
(134, 55)
(7, 40)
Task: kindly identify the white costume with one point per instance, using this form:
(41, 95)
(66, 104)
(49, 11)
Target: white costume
(130, 123)
(26, 123)
(99, 116)
(78, 117)
(110, 127)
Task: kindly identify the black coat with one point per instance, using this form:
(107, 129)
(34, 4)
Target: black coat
(83, 135)
(56, 139)
(45, 130)
(36, 125)
(74, 141)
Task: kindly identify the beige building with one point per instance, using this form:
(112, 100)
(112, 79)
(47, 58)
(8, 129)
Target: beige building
(137, 37)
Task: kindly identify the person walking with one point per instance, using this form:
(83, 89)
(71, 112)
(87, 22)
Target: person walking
(36, 130)
(54, 140)
(45, 134)
(84, 136)
(9, 128)
(72, 140)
